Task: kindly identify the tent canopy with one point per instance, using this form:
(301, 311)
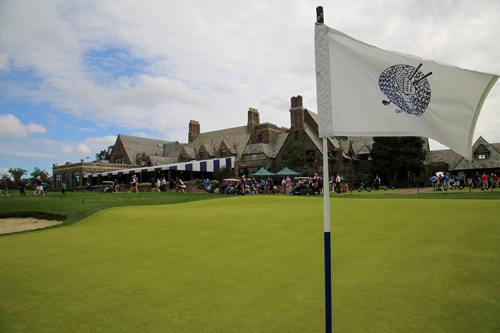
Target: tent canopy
(287, 172)
(263, 173)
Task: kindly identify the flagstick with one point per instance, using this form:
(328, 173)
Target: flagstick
(326, 220)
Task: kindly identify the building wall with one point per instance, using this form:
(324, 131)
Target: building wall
(300, 137)
(119, 152)
(265, 133)
(74, 174)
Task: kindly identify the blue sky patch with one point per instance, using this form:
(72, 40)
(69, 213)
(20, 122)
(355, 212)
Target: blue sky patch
(110, 63)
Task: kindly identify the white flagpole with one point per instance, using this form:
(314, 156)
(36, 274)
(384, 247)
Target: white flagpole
(326, 219)
(327, 246)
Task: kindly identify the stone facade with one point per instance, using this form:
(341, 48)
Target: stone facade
(253, 145)
(485, 158)
(119, 153)
(75, 174)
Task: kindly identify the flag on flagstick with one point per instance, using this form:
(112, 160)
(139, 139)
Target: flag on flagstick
(363, 90)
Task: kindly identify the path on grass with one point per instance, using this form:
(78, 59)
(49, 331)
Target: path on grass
(415, 191)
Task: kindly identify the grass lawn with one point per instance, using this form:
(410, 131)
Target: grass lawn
(77, 205)
(254, 264)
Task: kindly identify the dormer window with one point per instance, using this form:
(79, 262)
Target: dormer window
(482, 153)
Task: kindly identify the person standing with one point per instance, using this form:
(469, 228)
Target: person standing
(206, 185)
(446, 181)
(163, 185)
(243, 185)
(22, 187)
(38, 187)
(158, 184)
(484, 181)
(133, 184)
(63, 189)
(338, 182)
(288, 184)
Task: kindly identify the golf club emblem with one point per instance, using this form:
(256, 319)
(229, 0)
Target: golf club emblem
(406, 87)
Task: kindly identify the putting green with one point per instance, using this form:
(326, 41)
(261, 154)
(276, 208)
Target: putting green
(254, 264)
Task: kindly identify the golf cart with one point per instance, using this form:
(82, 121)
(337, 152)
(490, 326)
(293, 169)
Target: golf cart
(229, 186)
(304, 186)
(107, 187)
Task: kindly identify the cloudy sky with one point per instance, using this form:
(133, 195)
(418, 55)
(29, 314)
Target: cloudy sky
(73, 74)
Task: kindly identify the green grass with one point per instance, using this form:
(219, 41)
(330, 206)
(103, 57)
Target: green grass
(426, 193)
(75, 206)
(254, 264)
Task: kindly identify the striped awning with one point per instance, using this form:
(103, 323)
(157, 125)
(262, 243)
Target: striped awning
(195, 166)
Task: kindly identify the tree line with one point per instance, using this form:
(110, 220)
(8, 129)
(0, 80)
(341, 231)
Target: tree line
(13, 175)
(392, 159)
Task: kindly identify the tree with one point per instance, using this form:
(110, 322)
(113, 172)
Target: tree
(222, 174)
(6, 179)
(17, 174)
(44, 175)
(104, 154)
(393, 157)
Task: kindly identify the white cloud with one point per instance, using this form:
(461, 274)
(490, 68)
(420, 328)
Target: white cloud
(83, 149)
(100, 142)
(86, 148)
(85, 129)
(10, 125)
(210, 61)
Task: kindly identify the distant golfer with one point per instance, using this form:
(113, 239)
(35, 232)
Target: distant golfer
(22, 187)
(38, 187)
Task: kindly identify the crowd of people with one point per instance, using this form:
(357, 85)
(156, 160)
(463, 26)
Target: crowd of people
(244, 185)
(443, 181)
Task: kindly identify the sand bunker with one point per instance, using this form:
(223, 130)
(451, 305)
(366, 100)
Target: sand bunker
(15, 224)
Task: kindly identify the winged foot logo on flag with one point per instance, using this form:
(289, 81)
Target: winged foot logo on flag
(407, 87)
(363, 90)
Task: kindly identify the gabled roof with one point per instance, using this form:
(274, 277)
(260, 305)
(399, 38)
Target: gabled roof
(259, 148)
(444, 156)
(188, 150)
(236, 139)
(313, 135)
(481, 141)
(278, 144)
(270, 150)
(491, 163)
(496, 146)
(457, 162)
(134, 146)
(366, 142)
(160, 160)
(361, 144)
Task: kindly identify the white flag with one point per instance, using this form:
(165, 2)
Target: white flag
(366, 91)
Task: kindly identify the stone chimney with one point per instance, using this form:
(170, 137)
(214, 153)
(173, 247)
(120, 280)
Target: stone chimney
(253, 118)
(297, 112)
(194, 130)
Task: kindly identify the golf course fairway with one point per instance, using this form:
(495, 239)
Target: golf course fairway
(255, 264)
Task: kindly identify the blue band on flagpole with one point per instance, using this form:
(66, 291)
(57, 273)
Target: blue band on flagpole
(328, 284)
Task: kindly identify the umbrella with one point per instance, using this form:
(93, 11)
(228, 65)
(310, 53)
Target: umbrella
(263, 173)
(287, 172)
